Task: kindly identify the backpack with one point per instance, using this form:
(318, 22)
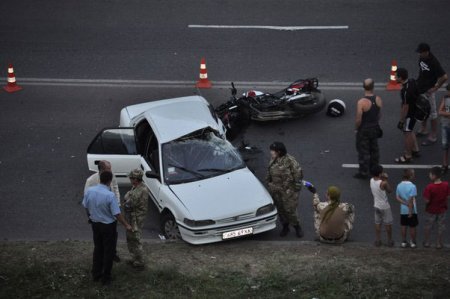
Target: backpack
(423, 107)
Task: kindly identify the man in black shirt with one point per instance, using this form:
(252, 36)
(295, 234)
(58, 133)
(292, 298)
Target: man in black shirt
(431, 77)
(407, 121)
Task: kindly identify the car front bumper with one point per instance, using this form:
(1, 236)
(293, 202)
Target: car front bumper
(214, 234)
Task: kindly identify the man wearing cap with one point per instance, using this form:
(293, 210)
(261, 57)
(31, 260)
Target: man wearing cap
(283, 181)
(135, 206)
(94, 180)
(103, 212)
(431, 77)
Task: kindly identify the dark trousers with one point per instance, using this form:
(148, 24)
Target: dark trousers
(105, 238)
(368, 151)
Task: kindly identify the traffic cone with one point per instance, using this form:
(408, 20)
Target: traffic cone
(393, 84)
(12, 85)
(203, 82)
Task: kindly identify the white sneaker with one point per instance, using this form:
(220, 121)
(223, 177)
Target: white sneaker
(413, 245)
(404, 245)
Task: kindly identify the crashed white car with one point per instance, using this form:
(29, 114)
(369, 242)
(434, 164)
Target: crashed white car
(197, 179)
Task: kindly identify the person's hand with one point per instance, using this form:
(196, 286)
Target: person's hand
(129, 228)
(89, 221)
(384, 176)
(312, 189)
(400, 125)
(432, 90)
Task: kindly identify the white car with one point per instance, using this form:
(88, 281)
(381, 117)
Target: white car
(197, 179)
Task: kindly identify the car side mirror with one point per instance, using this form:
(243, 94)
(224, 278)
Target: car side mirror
(151, 175)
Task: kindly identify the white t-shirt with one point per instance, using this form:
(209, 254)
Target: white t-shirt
(380, 199)
(94, 180)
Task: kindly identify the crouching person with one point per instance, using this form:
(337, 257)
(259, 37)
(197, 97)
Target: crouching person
(333, 220)
(135, 206)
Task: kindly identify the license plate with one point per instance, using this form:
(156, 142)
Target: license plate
(238, 233)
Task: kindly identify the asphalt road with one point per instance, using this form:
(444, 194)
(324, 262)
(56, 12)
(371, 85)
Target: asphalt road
(139, 39)
(45, 130)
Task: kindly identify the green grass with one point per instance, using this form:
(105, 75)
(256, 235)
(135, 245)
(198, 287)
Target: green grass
(227, 270)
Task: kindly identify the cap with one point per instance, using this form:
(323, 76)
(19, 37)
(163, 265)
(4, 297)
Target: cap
(423, 47)
(136, 174)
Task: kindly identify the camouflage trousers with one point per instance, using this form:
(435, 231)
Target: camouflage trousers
(135, 247)
(368, 151)
(286, 203)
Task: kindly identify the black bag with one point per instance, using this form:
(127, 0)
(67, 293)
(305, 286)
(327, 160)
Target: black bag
(423, 107)
(379, 132)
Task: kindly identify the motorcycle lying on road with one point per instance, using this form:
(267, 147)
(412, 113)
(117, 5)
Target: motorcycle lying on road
(300, 98)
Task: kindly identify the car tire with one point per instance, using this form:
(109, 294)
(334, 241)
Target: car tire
(169, 227)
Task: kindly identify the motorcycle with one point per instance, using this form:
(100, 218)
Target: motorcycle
(300, 98)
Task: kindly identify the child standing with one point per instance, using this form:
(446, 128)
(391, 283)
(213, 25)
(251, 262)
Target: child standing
(444, 112)
(406, 195)
(436, 197)
(380, 186)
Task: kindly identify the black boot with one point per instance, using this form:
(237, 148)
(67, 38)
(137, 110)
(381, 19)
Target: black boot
(298, 231)
(285, 230)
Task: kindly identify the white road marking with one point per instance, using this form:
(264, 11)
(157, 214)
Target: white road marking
(178, 83)
(394, 166)
(282, 28)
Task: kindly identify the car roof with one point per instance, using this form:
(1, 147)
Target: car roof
(174, 118)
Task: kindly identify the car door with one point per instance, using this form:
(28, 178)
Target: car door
(118, 146)
(152, 180)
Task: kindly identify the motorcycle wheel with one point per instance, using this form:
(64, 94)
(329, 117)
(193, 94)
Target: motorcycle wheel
(318, 104)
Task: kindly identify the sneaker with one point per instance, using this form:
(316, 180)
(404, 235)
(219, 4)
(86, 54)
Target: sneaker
(426, 244)
(404, 244)
(377, 243)
(391, 243)
(413, 245)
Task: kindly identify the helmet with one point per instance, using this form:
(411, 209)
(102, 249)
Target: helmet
(278, 147)
(336, 108)
(136, 174)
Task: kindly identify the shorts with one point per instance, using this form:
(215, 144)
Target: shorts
(432, 99)
(445, 135)
(410, 122)
(439, 219)
(409, 221)
(383, 216)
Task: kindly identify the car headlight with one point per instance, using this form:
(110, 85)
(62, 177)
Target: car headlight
(265, 209)
(195, 223)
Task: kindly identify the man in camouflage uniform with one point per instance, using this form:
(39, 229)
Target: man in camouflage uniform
(283, 179)
(135, 206)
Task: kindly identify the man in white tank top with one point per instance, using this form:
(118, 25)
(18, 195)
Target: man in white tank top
(380, 186)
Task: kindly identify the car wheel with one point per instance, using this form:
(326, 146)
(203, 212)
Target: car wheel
(169, 227)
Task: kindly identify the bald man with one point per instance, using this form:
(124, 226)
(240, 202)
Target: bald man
(367, 129)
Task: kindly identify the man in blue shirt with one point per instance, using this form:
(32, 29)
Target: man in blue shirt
(103, 210)
(406, 195)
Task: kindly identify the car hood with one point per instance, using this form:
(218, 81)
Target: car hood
(228, 195)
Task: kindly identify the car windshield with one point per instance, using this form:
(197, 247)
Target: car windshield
(198, 156)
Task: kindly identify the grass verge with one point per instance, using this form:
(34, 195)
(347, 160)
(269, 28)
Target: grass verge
(227, 270)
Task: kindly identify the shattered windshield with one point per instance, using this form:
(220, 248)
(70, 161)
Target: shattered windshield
(198, 157)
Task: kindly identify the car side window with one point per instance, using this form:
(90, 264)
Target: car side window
(148, 144)
(120, 141)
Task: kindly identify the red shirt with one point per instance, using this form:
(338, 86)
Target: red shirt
(437, 194)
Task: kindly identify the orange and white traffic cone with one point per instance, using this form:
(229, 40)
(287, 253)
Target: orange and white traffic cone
(204, 81)
(12, 85)
(393, 84)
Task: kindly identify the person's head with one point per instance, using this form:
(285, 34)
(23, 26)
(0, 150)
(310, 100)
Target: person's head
(333, 194)
(104, 165)
(435, 173)
(401, 75)
(106, 177)
(135, 176)
(377, 170)
(408, 174)
(424, 50)
(368, 85)
(277, 149)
